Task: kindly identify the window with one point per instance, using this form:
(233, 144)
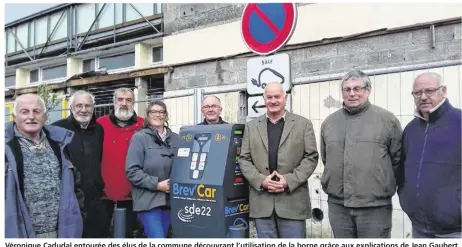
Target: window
(117, 62)
(158, 8)
(11, 41)
(10, 81)
(146, 9)
(109, 63)
(61, 28)
(88, 65)
(34, 76)
(48, 74)
(85, 16)
(54, 72)
(41, 30)
(157, 54)
(22, 34)
(106, 18)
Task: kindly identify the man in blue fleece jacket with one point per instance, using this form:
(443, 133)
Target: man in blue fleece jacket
(430, 182)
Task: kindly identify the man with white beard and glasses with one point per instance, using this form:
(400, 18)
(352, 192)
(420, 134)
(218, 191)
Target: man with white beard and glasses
(85, 151)
(119, 127)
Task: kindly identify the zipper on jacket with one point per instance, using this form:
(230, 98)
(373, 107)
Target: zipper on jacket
(422, 155)
(420, 164)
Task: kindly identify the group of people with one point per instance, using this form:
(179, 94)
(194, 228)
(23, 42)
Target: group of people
(367, 157)
(65, 179)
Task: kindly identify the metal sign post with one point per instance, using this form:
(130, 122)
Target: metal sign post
(265, 28)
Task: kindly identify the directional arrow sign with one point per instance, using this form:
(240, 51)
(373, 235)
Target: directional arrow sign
(256, 106)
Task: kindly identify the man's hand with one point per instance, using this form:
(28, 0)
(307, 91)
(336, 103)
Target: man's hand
(271, 185)
(164, 186)
(281, 183)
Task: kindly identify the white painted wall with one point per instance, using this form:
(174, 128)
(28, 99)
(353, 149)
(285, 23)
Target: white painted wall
(315, 22)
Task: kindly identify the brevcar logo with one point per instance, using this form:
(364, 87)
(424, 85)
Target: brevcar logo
(191, 191)
(237, 209)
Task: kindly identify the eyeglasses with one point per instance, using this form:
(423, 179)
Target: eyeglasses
(356, 89)
(154, 112)
(206, 107)
(81, 106)
(429, 92)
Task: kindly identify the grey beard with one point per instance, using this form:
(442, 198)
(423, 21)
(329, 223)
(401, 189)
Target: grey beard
(123, 115)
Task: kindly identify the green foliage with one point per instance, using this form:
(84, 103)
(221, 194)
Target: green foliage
(50, 98)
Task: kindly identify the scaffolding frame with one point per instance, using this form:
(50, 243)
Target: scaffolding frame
(72, 41)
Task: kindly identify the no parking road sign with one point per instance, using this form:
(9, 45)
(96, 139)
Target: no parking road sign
(266, 27)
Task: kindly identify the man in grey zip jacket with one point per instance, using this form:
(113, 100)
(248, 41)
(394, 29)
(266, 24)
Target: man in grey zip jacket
(360, 149)
(42, 193)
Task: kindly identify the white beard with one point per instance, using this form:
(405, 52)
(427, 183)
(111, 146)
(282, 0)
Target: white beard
(123, 115)
(81, 119)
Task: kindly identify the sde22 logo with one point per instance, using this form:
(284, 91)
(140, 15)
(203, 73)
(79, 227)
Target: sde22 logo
(198, 191)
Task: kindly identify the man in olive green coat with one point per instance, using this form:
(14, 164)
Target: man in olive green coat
(360, 149)
(278, 155)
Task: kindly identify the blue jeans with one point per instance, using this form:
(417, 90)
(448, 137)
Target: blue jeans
(155, 222)
(277, 227)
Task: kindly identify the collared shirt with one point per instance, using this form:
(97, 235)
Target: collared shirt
(163, 135)
(29, 143)
(283, 116)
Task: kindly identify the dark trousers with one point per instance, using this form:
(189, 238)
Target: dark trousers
(277, 227)
(131, 222)
(369, 222)
(93, 226)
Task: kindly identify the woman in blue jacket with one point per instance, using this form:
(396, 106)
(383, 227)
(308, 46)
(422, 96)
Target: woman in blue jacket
(148, 165)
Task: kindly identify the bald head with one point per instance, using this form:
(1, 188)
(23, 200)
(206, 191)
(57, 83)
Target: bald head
(432, 76)
(275, 99)
(274, 86)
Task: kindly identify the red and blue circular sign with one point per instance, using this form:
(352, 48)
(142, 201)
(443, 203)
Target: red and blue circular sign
(266, 27)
